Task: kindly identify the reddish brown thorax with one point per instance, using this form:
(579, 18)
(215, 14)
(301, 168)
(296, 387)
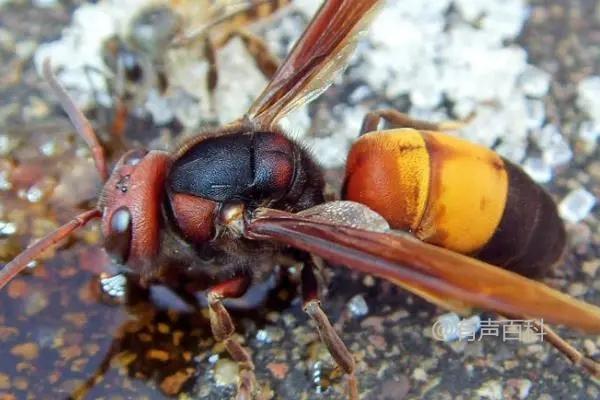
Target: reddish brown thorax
(131, 206)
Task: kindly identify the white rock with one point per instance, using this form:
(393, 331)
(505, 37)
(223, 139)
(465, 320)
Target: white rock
(240, 81)
(576, 205)
(588, 99)
(534, 81)
(589, 132)
(358, 306)
(538, 169)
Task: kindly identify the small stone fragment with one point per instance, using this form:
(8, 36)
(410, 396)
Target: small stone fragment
(156, 354)
(17, 289)
(125, 358)
(590, 267)
(519, 388)
(577, 289)
(358, 306)
(590, 347)
(394, 389)
(78, 319)
(27, 351)
(172, 384)
(4, 382)
(534, 82)
(20, 383)
(576, 205)
(35, 303)
(7, 332)
(420, 374)
(226, 372)
(491, 390)
(538, 169)
(70, 352)
(164, 328)
(7, 228)
(279, 370)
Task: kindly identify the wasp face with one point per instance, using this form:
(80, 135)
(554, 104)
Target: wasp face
(130, 205)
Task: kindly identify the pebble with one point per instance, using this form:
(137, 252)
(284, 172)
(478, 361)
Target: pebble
(156, 354)
(279, 370)
(534, 81)
(538, 169)
(4, 382)
(577, 289)
(590, 267)
(576, 205)
(518, 387)
(226, 372)
(358, 306)
(172, 384)
(419, 374)
(17, 289)
(590, 347)
(491, 389)
(36, 302)
(27, 351)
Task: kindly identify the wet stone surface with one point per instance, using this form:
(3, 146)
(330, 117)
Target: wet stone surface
(60, 337)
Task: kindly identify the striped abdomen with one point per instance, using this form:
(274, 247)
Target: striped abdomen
(458, 195)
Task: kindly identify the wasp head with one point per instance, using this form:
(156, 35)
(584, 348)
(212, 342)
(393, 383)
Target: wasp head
(131, 207)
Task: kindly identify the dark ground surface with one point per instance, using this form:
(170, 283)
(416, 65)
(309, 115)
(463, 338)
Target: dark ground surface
(55, 333)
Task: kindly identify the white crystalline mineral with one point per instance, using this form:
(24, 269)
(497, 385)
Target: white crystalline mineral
(448, 58)
(358, 306)
(534, 82)
(45, 3)
(576, 205)
(589, 132)
(331, 151)
(536, 113)
(460, 51)
(588, 98)
(157, 105)
(77, 55)
(7, 228)
(558, 154)
(307, 7)
(538, 169)
(237, 93)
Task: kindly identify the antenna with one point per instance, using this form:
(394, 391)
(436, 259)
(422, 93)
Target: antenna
(20, 262)
(80, 122)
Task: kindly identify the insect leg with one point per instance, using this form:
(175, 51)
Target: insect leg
(223, 328)
(397, 119)
(338, 350)
(230, 19)
(266, 61)
(210, 53)
(82, 125)
(576, 357)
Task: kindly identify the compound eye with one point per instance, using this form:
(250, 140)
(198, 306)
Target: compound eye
(134, 157)
(118, 241)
